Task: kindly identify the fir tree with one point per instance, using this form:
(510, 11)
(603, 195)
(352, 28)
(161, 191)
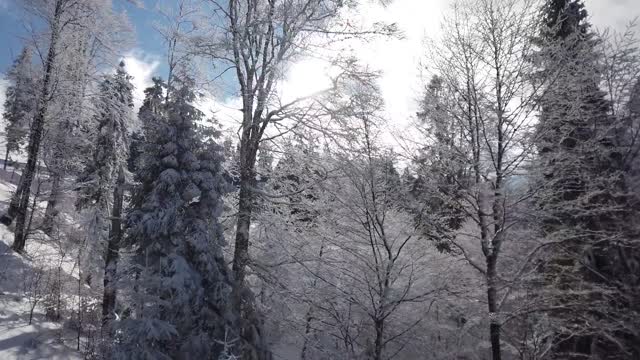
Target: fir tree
(153, 103)
(183, 282)
(583, 197)
(152, 107)
(20, 102)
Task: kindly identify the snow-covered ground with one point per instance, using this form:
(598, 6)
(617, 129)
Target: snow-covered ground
(27, 280)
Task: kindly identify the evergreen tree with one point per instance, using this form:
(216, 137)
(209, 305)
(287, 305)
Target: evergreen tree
(583, 197)
(435, 195)
(113, 118)
(183, 282)
(101, 188)
(20, 102)
(152, 106)
(153, 103)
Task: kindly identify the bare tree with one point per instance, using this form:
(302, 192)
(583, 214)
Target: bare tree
(257, 40)
(483, 63)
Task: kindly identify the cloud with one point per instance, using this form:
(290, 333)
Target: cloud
(615, 14)
(226, 112)
(142, 66)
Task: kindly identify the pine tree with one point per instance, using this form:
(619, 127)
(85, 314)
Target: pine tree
(183, 282)
(20, 102)
(583, 197)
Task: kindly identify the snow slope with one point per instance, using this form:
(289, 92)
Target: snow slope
(22, 283)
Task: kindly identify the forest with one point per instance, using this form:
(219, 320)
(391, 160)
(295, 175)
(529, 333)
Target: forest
(498, 221)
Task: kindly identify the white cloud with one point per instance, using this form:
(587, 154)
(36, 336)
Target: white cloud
(226, 113)
(398, 59)
(142, 67)
(613, 13)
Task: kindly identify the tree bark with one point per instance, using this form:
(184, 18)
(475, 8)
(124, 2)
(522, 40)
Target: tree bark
(112, 255)
(51, 212)
(492, 300)
(6, 158)
(241, 251)
(35, 135)
(15, 201)
(379, 344)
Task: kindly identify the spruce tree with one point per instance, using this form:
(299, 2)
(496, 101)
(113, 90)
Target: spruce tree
(20, 103)
(583, 197)
(183, 284)
(152, 106)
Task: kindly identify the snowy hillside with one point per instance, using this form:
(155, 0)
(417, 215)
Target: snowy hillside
(28, 287)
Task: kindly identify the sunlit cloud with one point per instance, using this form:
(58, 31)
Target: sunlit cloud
(142, 67)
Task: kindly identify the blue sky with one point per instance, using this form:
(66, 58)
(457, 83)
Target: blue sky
(11, 28)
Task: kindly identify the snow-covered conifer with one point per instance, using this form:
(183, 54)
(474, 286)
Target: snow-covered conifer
(20, 102)
(183, 284)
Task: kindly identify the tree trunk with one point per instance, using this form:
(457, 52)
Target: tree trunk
(492, 300)
(15, 201)
(309, 316)
(241, 252)
(51, 212)
(35, 136)
(6, 158)
(112, 255)
(379, 344)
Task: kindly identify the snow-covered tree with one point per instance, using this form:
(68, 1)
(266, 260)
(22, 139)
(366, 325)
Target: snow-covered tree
(113, 119)
(56, 20)
(101, 186)
(477, 121)
(19, 103)
(585, 200)
(258, 40)
(183, 284)
(91, 43)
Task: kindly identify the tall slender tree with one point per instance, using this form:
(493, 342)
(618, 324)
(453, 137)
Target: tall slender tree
(19, 103)
(101, 187)
(55, 13)
(584, 199)
(258, 41)
(478, 118)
